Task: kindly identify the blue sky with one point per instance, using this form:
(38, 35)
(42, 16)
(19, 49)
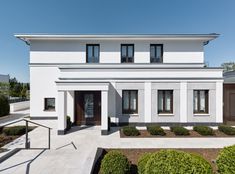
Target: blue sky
(113, 16)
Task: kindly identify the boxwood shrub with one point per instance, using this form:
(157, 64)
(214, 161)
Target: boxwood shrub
(155, 130)
(142, 161)
(226, 160)
(69, 123)
(227, 129)
(130, 131)
(203, 130)
(179, 130)
(4, 106)
(172, 161)
(115, 162)
(15, 130)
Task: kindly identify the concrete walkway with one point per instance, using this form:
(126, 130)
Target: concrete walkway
(14, 116)
(75, 151)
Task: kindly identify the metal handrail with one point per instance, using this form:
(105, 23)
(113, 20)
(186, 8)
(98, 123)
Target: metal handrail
(27, 143)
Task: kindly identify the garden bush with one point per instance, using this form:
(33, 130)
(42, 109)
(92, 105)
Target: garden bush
(69, 123)
(203, 130)
(227, 129)
(226, 160)
(130, 131)
(172, 161)
(15, 130)
(142, 161)
(4, 106)
(156, 130)
(115, 162)
(179, 130)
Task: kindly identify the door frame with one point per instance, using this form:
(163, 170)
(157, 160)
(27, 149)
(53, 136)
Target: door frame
(79, 108)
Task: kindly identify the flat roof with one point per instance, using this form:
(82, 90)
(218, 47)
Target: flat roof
(28, 37)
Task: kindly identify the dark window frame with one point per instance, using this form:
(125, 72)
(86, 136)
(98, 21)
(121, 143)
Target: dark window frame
(126, 57)
(129, 111)
(164, 111)
(198, 111)
(154, 58)
(93, 45)
(46, 108)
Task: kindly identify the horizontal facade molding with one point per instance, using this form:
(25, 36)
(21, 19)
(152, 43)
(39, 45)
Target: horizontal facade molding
(80, 86)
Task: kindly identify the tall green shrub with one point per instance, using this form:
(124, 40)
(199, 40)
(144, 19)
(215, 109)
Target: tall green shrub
(4, 106)
(226, 160)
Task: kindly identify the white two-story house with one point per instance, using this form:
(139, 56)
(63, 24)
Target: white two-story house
(135, 79)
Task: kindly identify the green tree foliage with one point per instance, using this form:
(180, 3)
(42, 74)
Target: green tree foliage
(4, 89)
(18, 89)
(228, 66)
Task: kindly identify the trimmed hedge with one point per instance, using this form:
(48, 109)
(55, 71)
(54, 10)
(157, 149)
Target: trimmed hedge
(155, 130)
(227, 129)
(172, 161)
(69, 123)
(142, 161)
(226, 160)
(4, 106)
(203, 130)
(130, 131)
(15, 130)
(115, 162)
(179, 130)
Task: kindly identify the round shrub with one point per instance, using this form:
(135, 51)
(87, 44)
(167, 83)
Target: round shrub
(179, 130)
(115, 162)
(203, 130)
(227, 129)
(172, 161)
(226, 160)
(4, 106)
(142, 162)
(156, 130)
(130, 131)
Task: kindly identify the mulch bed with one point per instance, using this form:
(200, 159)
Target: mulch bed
(169, 134)
(6, 139)
(134, 154)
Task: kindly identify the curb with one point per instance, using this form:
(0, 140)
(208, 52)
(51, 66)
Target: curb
(9, 154)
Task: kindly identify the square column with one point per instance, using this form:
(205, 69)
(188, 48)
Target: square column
(183, 102)
(70, 105)
(219, 102)
(62, 111)
(104, 112)
(147, 101)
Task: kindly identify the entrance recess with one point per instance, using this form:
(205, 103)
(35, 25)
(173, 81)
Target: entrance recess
(88, 107)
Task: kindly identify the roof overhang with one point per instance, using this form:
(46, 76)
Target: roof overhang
(203, 37)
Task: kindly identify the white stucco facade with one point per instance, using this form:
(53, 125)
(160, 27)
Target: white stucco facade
(58, 69)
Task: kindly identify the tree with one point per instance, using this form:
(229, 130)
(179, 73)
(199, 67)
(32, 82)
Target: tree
(4, 89)
(228, 66)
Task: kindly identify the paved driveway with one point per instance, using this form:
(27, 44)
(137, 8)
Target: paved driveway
(75, 151)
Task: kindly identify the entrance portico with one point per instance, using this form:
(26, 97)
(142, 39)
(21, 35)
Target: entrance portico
(94, 95)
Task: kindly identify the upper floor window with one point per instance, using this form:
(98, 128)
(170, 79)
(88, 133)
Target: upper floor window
(156, 53)
(200, 101)
(92, 53)
(127, 53)
(165, 101)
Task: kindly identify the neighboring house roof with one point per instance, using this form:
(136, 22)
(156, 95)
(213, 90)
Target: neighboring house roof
(203, 37)
(229, 77)
(4, 78)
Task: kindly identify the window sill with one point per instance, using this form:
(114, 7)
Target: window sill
(131, 115)
(202, 114)
(166, 114)
(53, 110)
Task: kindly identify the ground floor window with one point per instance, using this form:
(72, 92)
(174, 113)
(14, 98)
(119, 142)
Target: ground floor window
(49, 104)
(165, 101)
(200, 101)
(130, 101)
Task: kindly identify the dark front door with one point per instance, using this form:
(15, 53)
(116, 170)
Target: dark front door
(229, 102)
(88, 107)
